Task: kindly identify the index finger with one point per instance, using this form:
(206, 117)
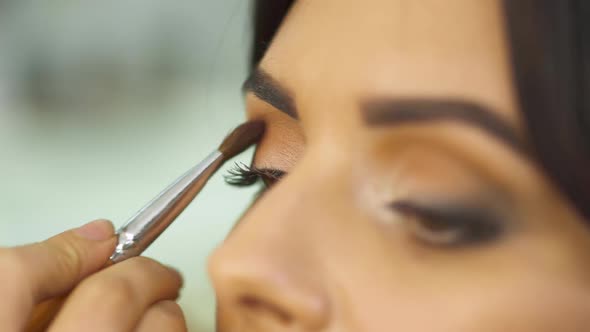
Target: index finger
(35, 272)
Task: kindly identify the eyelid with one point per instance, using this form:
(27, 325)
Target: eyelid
(269, 175)
(478, 225)
(500, 167)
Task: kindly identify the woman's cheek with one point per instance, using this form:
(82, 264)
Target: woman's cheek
(531, 305)
(526, 304)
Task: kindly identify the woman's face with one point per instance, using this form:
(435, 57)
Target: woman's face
(410, 201)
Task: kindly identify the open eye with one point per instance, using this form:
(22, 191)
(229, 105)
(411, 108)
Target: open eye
(449, 225)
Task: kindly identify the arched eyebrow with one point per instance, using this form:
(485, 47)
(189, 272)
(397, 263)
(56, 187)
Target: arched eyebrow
(390, 111)
(265, 87)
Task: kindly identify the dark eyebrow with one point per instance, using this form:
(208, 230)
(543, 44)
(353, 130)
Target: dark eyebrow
(263, 86)
(395, 111)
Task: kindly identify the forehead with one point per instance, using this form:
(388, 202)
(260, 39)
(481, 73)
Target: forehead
(343, 50)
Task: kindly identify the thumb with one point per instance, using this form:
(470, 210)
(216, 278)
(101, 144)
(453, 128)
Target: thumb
(56, 265)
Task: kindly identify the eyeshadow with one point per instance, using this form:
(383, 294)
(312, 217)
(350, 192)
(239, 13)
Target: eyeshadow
(478, 224)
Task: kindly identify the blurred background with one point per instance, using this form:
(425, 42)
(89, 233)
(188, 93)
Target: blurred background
(104, 103)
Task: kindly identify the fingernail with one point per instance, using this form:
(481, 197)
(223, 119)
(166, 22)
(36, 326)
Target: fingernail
(98, 230)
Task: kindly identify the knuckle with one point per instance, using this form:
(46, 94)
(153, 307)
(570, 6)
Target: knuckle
(154, 273)
(68, 257)
(151, 269)
(111, 291)
(143, 263)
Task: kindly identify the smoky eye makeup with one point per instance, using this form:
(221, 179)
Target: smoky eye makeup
(435, 196)
(450, 224)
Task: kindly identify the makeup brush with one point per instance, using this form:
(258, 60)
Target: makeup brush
(151, 221)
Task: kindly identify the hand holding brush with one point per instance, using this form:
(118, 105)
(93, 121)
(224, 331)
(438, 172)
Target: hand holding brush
(61, 284)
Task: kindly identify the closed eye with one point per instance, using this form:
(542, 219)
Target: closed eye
(450, 225)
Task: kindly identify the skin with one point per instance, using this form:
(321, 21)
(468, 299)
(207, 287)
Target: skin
(135, 295)
(323, 250)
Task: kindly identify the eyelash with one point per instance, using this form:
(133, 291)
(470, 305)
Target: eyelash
(242, 175)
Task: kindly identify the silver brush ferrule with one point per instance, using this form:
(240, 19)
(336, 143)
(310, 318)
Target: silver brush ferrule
(149, 222)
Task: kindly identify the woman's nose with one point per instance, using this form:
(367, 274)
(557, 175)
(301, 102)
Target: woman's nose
(272, 270)
(269, 271)
(261, 295)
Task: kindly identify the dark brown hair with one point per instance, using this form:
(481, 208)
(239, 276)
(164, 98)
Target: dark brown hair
(550, 47)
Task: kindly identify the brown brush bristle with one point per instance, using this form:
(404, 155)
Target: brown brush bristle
(241, 138)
